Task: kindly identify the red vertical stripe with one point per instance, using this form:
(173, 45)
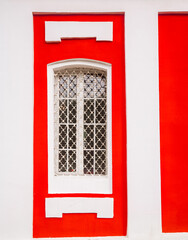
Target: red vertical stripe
(173, 87)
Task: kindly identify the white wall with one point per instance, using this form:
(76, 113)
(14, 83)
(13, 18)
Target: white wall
(16, 106)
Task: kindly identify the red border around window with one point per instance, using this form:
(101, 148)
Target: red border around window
(78, 225)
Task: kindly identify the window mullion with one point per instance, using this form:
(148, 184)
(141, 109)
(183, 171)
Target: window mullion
(94, 89)
(68, 123)
(80, 128)
(56, 122)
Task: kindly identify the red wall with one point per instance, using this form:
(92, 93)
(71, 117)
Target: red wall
(173, 87)
(112, 52)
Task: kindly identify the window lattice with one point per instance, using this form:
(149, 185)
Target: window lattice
(80, 121)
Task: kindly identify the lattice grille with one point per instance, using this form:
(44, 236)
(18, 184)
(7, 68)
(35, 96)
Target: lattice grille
(63, 111)
(72, 136)
(72, 161)
(75, 88)
(88, 162)
(89, 111)
(89, 136)
(100, 137)
(62, 166)
(72, 111)
(63, 136)
(89, 79)
(95, 123)
(72, 85)
(66, 86)
(100, 162)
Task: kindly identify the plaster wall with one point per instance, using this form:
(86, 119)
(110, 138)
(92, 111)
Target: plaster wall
(16, 111)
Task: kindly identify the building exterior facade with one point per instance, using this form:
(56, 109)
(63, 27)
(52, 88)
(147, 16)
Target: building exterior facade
(94, 119)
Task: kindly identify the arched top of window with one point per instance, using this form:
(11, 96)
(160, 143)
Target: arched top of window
(80, 62)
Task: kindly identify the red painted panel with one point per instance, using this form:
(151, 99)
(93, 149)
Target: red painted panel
(79, 225)
(173, 87)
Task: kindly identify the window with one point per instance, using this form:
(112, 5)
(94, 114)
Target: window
(79, 127)
(80, 121)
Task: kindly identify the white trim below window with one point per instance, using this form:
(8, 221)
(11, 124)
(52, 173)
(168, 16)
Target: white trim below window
(56, 207)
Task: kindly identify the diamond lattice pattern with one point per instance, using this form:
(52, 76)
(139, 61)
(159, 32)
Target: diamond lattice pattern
(94, 122)
(67, 85)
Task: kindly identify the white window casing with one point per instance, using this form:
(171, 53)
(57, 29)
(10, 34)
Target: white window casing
(63, 180)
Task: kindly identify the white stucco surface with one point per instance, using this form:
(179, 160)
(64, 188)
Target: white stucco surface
(16, 111)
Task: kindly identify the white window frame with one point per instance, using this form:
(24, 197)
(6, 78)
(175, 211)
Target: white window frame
(71, 183)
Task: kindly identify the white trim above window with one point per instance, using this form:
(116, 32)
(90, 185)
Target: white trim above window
(55, 31)
(80, 176)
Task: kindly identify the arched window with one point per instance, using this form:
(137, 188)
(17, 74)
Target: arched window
(80, 121)
(79, 125)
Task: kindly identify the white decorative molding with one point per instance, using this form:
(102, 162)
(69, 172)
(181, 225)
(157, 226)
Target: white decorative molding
(78, 184)
(55, 31)
(55, 207)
